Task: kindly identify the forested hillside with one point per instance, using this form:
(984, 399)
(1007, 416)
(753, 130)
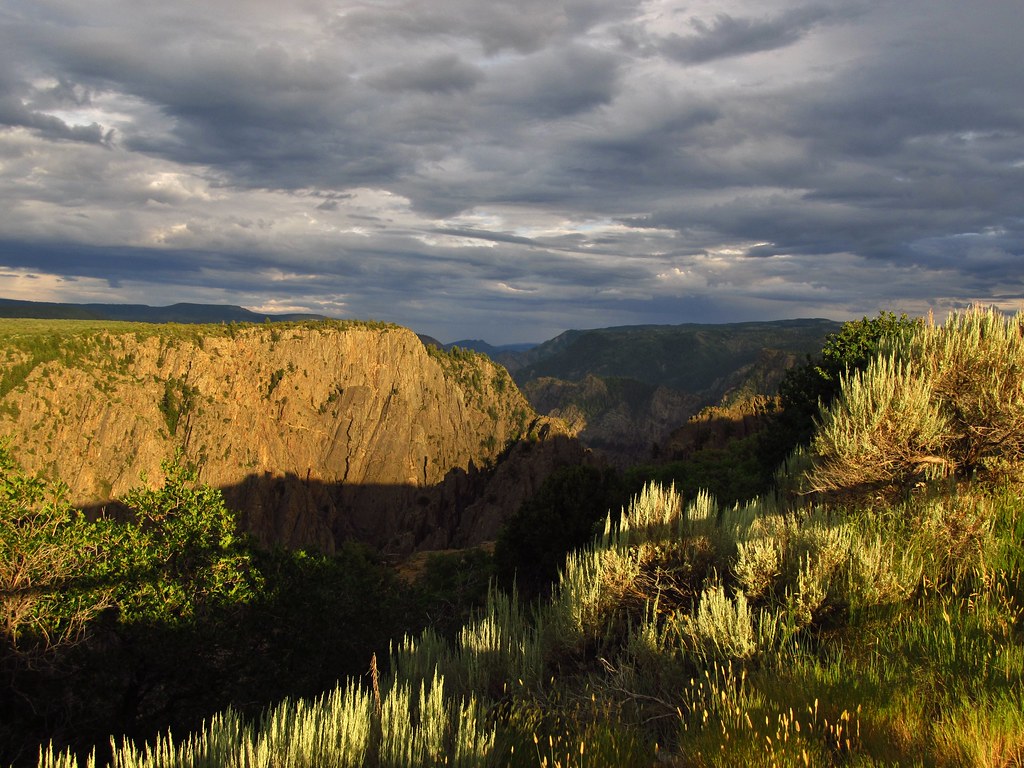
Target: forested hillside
(693, 357)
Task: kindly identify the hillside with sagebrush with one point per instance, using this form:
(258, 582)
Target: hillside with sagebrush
(868, 611)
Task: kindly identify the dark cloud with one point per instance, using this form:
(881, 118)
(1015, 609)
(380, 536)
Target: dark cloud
(23, 106)
(523, 27)
(554, 84)
(515, 168)
(13, 114)
(442, 74)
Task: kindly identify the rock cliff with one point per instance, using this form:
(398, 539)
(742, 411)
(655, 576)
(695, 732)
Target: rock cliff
(624, 419)
(315, 431)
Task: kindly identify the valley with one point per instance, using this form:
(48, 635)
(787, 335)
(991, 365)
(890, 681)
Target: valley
(624, 391)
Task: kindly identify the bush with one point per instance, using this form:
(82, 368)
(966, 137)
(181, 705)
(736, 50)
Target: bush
(808, 389)
(163, 617)
(975, 363)
(721, 628)
(947, 399)
(564, 514)
(730, 473)
(884, 428)
(48, 569)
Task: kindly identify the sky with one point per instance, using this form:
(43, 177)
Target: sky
(509, 170)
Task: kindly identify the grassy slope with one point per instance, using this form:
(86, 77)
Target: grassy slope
(616, 669)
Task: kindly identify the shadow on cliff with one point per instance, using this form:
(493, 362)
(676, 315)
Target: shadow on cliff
(468, 507)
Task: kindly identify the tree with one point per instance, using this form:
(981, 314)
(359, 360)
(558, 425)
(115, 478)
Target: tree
(104, 619)
(49, 588)
(563, 515)
(808, 389)
(180, 554)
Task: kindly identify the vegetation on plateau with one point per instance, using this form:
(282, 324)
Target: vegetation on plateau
(868, 610)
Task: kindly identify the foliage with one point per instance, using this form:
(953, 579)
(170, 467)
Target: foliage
(34, 352)
(884, 426)
(731, 473)
(688, 357)
(165, 614)
(466, 368)
(722, 627)
(48, 557)
(975, 362)
(783, 631)
(347, 726)
(808, 388)
(947, 399)
(53, 339)
(319, 618)
(275, 380)
(452, 587)
(179, 554)
(923, 675)
(177, 402)
(562, 515)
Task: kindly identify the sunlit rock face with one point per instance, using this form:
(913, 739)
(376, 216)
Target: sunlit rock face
(315, 432)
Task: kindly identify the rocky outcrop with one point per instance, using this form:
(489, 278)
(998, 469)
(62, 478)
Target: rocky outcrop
(316, 432)
(624, 419)
(716, 426)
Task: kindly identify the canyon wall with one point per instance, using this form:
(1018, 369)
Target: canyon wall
(316, 432)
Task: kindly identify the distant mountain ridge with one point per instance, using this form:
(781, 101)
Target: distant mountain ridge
(182, 312)
(493, 351)
(625, 390)
(689, 356)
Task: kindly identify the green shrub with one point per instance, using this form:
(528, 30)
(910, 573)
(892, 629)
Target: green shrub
(49, 585)
(975, 363)
(730, 473)
(884, 428)
(724, 628)
(181, 553)
(499, 647)
(943, 399)
(564, 514)
(809, 388)
(177, 402)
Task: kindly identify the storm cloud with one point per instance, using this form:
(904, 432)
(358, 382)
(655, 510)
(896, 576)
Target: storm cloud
(510, 170)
